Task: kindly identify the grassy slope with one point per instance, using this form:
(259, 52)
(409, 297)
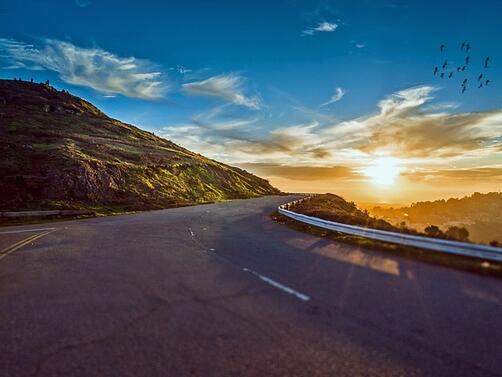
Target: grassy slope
(59, 151)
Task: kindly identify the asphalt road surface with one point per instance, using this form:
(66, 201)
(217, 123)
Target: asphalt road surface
(222, 290)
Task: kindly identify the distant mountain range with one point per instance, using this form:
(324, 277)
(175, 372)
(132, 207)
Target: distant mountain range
(58, 151)
(480, 214)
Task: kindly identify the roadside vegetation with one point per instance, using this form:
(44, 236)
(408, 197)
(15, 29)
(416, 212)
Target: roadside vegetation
(335, 208)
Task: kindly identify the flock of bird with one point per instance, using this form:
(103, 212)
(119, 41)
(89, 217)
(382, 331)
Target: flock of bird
(443, 70)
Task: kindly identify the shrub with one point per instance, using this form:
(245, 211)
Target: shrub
(433, 231)
(457, 233)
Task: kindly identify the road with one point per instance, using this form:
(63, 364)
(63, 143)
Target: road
(222, 290)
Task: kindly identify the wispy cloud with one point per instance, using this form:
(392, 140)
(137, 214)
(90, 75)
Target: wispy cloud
(95, 68)
(322, 27)
(406, 102)
(358, 44)
(339, 94)
(180, 69)
(228, 87)
(82, 3)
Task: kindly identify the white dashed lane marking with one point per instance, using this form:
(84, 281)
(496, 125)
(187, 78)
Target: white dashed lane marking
(278, 285)
(266, 279)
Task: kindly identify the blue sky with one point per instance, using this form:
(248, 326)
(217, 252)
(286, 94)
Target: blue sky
(234, 80)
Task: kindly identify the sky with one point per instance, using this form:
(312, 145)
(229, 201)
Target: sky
(316, 96)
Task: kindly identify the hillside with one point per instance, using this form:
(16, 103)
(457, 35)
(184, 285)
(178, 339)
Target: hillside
(60, 152)
(480, 214)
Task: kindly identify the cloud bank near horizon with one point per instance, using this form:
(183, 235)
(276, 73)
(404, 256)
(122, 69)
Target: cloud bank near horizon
(428, 140)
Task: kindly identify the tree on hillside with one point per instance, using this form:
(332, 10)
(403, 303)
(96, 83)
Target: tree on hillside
(457, 233)
(434, 231)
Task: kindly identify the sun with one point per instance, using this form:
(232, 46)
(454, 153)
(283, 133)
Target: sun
(383, 171)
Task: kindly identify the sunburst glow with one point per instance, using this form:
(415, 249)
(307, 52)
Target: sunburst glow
(383, 171)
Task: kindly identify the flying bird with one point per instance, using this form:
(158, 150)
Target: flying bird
(445, 70)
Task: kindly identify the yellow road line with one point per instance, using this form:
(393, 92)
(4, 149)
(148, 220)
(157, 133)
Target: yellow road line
(17, 243)
(20, 244)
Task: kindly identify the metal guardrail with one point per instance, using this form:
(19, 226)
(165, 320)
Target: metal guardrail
(436, 244)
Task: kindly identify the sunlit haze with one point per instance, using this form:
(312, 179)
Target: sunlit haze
(383, 171)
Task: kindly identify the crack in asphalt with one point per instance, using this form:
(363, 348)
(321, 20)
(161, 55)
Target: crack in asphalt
(419, 347)
(68, 347)
(214, 302)
(161, 303)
